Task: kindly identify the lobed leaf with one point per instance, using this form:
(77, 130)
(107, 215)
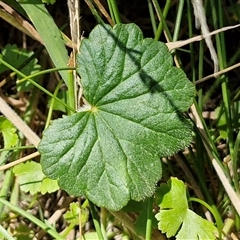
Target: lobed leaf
(176, 219)
(109, 151)
(31, 178)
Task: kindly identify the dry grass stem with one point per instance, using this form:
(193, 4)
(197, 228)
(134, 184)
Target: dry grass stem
(21, 160)
(12, 116)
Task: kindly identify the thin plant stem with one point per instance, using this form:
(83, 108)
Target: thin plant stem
(96, 220)
(103, 221)
(5, 187)
(235, 162)
(190, 30)
(71, 93)
(149, 219)
(178, 20)
(152, 17)
(33, 219)
(111, 11)
(200, 74)
(209, 140)
(34, 83)
(50, 111)
(235, 57)
(4, 156)
(220, 43)
(94, 11)
(162, 25)
(114, 8)
(216, 216)
(68, 229)
(211, 90)
(25, 78)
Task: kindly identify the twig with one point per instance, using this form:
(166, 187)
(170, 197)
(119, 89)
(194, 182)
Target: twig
(178, 44)
(24, 159)
(19, 123)
(218, 73)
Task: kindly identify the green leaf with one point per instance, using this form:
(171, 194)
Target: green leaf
(222, 120)
(175, 217)
(57, 105)
(134, 206)
(23, 232)
(72, 216)
(48, 186)
(31, 178)
(19, 58)
(109, 151)
(8, 132)
(91, 236)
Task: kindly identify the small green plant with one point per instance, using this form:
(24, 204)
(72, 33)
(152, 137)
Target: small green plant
(133, 116)
(172, 201)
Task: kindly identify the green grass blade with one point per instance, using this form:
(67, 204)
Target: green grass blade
(36, 84)
(162, 24)
(5, 233)
(113, 6)
(33, 219)
(49, 33)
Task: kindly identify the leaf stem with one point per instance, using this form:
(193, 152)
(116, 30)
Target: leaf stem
(215, 215)
(71, 95)
(149, 219)
(49, 116)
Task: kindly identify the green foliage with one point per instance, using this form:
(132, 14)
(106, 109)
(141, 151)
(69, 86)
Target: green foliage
(48, 185)
(72, 215)
(128, 105)
(142, 209)
(135, 98)
(8, 132)
(57, 105)
(175, 217)
(91, 236)
(222, 121)
(23, 232)
(31, 178)
(19, 59)
(49, 1)
(49, 32)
